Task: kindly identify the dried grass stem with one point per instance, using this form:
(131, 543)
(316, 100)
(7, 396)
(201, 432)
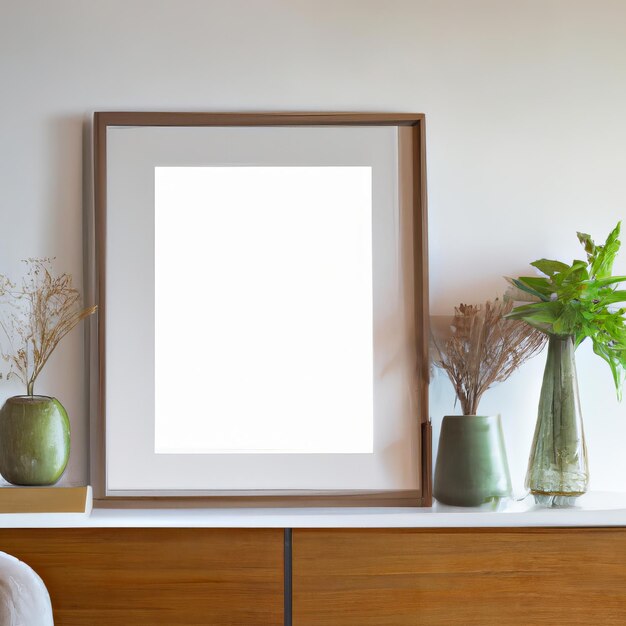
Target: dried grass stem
(40, 312)
(482, 348)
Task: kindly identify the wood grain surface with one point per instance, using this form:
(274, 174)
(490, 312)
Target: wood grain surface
(156, 576)
(479, 577)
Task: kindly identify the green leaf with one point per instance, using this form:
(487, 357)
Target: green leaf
(549, 267)
(566, 323)
(539, 284)
(608, 280)
(613, 296)
(581, 335)
(574, 274)
(521, 284)
(515, 294)
(590, 247)
(538, 314)
(616, 369)
(602, 264)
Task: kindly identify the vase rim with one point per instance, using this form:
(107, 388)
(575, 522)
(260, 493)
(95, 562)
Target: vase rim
(28, 398)
(472, 416)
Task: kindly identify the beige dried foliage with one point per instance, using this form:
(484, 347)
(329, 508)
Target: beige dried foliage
(35, 316)
(480, 348)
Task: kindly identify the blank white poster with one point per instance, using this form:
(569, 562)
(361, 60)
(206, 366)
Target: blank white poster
(263, 310)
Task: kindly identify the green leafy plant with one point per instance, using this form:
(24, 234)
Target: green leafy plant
(580, 301)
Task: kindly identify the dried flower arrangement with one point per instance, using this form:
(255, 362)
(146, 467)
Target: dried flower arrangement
(42, 310)
(483, 348)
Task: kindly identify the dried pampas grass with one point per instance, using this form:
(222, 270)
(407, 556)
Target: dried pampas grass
(480, 348)
(39, 313)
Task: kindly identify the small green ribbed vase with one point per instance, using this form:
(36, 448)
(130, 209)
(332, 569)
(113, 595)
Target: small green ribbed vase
(471, 467)
(34, 440)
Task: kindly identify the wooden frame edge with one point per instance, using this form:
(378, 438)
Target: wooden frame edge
(98, 449)
(356, 499)
(255, 118)
(101, 121)
(422, 313)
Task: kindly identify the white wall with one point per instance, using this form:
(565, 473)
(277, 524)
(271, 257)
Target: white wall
(526, 138)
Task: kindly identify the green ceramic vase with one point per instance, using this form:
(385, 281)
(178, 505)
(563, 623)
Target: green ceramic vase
(34, 440)
(471, 466)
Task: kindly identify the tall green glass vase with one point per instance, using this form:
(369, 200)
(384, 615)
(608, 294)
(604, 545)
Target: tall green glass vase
(558, 472)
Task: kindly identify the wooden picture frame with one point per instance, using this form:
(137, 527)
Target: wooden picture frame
(411, 169)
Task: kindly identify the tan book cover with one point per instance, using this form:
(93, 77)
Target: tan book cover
(45, 499)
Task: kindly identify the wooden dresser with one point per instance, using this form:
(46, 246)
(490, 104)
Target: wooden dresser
(470, 577)
(103, 572)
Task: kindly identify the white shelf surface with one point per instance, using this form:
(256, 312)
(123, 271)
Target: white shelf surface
(594, 509)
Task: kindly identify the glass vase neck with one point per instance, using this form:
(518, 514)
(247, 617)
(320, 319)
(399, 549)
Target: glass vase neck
(558, 470)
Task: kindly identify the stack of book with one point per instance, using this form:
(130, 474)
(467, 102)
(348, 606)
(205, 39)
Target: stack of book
(45, 499)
